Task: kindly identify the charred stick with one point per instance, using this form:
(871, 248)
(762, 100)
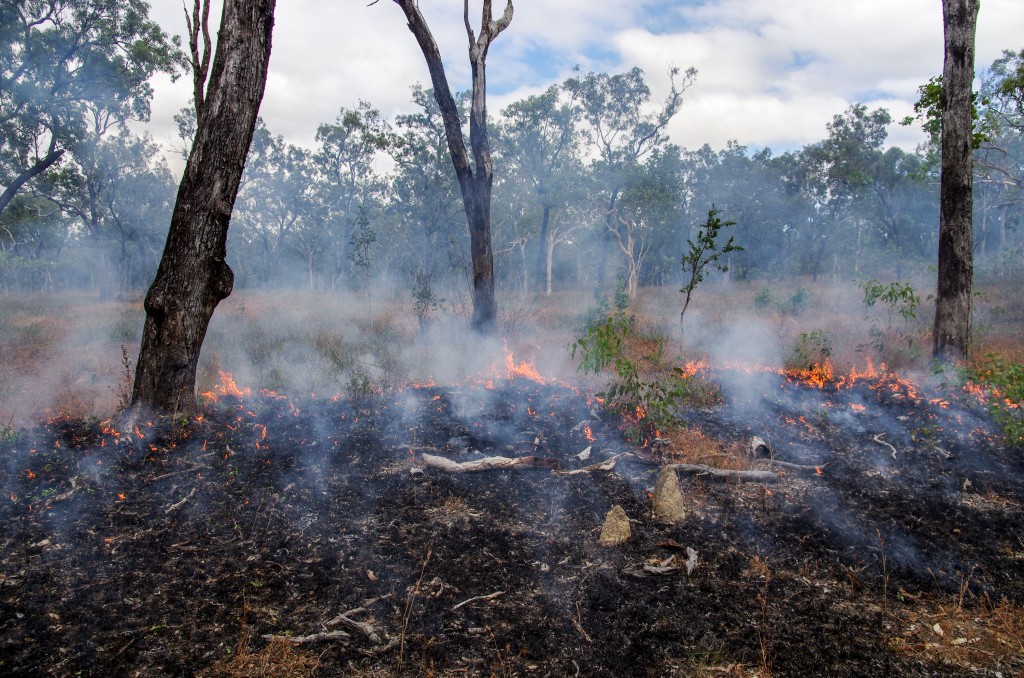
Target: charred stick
(816, 468)
(177, 505)
(702, 469)
(878, 439)
(490, 596)
(177, 473)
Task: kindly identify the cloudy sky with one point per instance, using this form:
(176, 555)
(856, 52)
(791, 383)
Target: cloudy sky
(771, 73)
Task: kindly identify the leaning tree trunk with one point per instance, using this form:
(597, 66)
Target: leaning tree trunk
(476, 179)
(952, 334)
(193, 276)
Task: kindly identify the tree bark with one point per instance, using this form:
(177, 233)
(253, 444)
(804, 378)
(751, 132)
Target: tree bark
(952, 334)
(193, 276)
(476, 179)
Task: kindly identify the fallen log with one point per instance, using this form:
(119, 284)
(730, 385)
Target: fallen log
(702, 469)
(487, 463)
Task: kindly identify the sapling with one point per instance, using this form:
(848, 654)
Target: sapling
(704, 254)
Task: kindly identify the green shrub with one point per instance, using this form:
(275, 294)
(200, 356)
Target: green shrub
(811, 349)
(1004, 381)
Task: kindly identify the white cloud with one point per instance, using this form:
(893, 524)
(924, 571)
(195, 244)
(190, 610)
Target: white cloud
(771, 73)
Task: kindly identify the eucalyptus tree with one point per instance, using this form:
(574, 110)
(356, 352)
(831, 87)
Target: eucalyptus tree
(952, 333)
(274, 201)
(621, 130)
(542, 144)
(62, 64)
(349, 186)
(475, 177)
(193, 276)
(423, 188)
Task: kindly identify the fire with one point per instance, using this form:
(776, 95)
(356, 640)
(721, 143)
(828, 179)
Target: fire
(524, 369)
(693, 367)
(589, 434)
(226, 387)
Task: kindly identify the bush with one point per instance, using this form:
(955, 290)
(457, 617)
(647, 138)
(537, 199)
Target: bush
(1004, 381)
(812, 349)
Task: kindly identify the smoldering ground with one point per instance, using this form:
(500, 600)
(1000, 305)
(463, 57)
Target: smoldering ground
(295, 501)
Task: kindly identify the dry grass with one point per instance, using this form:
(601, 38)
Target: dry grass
(62, 353)
(279, 659)
(964, 632)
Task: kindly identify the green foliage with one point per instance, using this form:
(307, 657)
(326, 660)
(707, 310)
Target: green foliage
(898, 298)
(811, 349)
(1004, 381)
(704, 254)
(424, 301)
(928, 110)
(649, 404)
(895, 346)
(797, 302)
(764, 299)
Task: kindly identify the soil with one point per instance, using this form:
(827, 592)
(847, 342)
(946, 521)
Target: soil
(179, 548)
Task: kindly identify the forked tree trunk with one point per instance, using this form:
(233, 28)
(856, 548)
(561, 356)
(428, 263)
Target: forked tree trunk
(476, 179)
(193, 276)
(952, 334)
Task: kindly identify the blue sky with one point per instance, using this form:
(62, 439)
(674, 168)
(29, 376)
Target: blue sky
(770, 73)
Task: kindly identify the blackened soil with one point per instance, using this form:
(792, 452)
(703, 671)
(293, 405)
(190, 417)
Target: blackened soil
(163, 551)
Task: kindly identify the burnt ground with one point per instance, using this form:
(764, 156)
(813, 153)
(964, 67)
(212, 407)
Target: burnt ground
(174, 551)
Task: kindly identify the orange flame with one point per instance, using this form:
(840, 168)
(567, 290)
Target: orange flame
(589, 434)
(524, 369)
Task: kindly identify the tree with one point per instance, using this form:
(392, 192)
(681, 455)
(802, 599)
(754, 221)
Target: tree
(475, 179)
(63, 63)
(193, 276)
(622, 131)
(704, 254)
(543, 146)
(952, 332)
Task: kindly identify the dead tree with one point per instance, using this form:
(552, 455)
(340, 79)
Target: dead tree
(952, 333)
(193, 276)
(476, 178)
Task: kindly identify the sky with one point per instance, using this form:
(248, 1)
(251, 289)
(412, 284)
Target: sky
(770, 73)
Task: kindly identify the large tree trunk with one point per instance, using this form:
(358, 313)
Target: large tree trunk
(476, 180)
(193, 276)
(952, 334)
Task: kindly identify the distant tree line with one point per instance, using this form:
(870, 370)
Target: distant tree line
(587, 186)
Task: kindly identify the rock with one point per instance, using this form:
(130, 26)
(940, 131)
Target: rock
(616, 527)
(668, 500)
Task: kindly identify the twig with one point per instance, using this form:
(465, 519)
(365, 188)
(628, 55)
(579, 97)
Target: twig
(490, 596)
(176, 473)
(311, 638)
(817, 468)
(702, 469)
(878, 439)
(362, 627)
(177, 505)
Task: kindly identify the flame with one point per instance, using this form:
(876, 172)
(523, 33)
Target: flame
(589, 434)
(225, 387)
(30, 474)
(524, 369)
(693, 367)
